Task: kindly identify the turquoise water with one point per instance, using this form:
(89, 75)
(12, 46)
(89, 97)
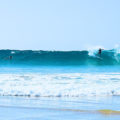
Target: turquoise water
(59, 84)
(59, 58)
(56, 81)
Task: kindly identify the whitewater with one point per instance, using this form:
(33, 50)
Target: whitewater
(40, 73)
(60, 84)
(56, 85)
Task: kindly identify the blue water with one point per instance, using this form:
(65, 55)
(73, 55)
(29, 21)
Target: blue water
(60, 81)
(59, 69)
(59, 73)
(49, 82)
(59, 58)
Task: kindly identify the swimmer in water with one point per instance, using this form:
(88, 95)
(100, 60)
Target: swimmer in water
(10, 57)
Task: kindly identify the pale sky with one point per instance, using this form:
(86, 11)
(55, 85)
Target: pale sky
(59, 24)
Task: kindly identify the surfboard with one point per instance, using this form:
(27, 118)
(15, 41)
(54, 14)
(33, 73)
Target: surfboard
(99, 57)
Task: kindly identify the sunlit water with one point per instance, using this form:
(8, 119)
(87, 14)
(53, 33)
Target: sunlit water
(55, 92)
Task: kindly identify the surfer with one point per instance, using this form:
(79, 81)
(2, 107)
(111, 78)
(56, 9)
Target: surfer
(99, 51)
(10, 57)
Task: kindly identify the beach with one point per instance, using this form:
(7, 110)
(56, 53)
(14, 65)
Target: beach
(60, 60)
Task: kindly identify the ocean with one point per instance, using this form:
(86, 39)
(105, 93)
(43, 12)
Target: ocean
(53, 85)
(59, 58)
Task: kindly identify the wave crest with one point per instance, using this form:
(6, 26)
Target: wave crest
(29, 57)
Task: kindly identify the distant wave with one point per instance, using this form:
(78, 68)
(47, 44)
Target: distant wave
(29, 57)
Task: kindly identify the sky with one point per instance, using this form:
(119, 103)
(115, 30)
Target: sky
(59, 24)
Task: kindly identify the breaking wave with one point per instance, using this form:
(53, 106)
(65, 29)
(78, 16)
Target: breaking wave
(29, 57)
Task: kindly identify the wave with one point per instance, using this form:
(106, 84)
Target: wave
(60, 85)
(29, 57)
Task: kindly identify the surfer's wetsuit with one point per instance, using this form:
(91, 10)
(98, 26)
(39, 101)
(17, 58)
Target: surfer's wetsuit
(10, 57)
(100, 51)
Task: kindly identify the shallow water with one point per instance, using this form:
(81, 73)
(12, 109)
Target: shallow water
(60, 81)
(67, 93)
(17, 108)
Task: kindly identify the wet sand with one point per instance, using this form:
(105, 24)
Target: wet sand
(24, 108)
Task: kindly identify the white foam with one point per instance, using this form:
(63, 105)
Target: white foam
(12, 52)
(93, 50)
(60, 85)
